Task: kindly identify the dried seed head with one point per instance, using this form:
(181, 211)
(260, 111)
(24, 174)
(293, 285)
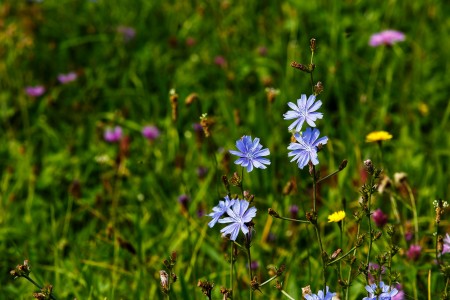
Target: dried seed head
(190, 99)
(312, 44)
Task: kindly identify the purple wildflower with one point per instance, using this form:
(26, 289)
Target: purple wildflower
(251, 153)
(220, 61)
(254, 265)
(401, 294)
(128, 33)
(386, 37)
(113, 135)
(35, 91)
(201, 172)
(413, 252)
(262, 51)
(66, 78)
(238, 215)
(379, 218)
(150, 132)
(446, 248)
(190, 41)
(293, 209)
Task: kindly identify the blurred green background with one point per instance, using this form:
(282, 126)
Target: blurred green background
(96, 219)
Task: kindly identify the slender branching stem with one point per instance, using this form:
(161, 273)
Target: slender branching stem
(231, 265)
(242, 182)
(292, 220)
(329, 175)
(341, 257)
(37, 285)
(314, 188)
(316, 227)
(268, 280)
(249, 258)
(372, 182)
(287, 295)
(349, 277)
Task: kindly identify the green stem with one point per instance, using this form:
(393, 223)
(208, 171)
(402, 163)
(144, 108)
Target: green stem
(292, 220)
(249, 258)
(242, 182)
(316, 227)
(435, 242)
(287, 295)
(314, 188)
(349, 277)
(414, 209)
(329, 175)
(37, 285)
(341, 257)
(372, 181)
(231, 265)
(268, 280)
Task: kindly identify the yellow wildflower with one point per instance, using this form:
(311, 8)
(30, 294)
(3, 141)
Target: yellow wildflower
(336, 217)
(378, 136)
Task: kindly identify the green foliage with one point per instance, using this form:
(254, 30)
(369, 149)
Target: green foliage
(96, 219)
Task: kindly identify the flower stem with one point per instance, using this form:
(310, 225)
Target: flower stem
(242, 182)
(316, 227)
(314, 188)
(414, 209)
(231, 265)
(372, 182)
(287, 295)
(349, 277)
(37, 285)
(249, 258)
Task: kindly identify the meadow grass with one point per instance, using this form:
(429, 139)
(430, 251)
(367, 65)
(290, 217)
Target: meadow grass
(97, 219)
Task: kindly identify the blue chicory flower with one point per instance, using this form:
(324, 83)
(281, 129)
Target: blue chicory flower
(386, 292)
(219, 210)
(305, 110)
(251, 153)
(320, 295)
(306, 149)
(238, 215)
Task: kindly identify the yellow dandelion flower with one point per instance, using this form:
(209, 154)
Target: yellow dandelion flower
(378, 136)
(336, 217)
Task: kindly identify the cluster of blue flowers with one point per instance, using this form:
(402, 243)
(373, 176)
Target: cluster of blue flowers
(305, 149)
(251, 154)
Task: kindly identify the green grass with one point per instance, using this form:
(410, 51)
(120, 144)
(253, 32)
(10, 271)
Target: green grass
(79, 242)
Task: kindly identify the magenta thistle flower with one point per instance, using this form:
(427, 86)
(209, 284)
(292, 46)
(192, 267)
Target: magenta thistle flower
(113, 135)
(305, 110)
(238, 215)
(150, 132)
(66, 78)
(251, 153)
(379, 218)
(220, 61)
(306, 149)
(35, 91)
(386, 37)
(413, 252)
